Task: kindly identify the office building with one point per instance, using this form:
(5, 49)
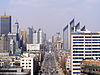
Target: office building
(16, 27)
(35, 37)
(23, 33)
(14, 42)
(5, 24)
(30, 35)
(84, 45)
(4, 43)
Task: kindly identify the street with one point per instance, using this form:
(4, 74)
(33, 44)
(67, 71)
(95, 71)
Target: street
(50, 65)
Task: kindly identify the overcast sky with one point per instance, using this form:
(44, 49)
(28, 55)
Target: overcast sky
(53, 15)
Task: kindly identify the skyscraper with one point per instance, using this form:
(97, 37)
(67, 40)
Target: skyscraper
(16, 27)
(30, 35)
(5, 24)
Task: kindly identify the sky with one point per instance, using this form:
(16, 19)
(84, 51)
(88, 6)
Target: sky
(53, 15)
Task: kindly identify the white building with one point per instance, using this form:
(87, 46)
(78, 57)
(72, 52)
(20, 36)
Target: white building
(33, 47)
(27, 64)
(84, 45)
(35, 37)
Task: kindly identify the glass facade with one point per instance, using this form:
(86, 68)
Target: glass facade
(5, 24)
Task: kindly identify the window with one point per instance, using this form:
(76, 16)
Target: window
(78, 48)
(87, 54)
(96, 40)
(77, 51)
(78, 40)
(96, 37)
(77, 57)
(76, 61)
(77, 54)
(87, 51)
(78, 37)
(87, 48)
(96, 54)
(96, 51)
(76, 68)
(87, 39)
(76, 72)
(87, 36)
(96, 48)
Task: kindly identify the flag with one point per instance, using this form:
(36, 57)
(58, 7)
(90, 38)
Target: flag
(72, 26)
(83, 29)
(77, 26)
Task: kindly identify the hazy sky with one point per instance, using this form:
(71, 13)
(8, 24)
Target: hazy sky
(53, 15)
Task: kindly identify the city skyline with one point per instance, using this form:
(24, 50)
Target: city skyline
(52, 15)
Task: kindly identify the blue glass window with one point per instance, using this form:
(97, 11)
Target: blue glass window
(77, 54)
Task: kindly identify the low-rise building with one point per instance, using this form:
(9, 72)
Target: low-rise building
(90, 67)
(27, 64)
(10, 65)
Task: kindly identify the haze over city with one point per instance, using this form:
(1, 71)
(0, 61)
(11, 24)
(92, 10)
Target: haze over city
(49, 37)
(52, 15)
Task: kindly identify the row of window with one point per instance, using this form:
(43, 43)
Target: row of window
(77, 61)
(86, 54)
(86, 42)
(86, 51)
(76, 72)
(26, 66)
(86, 48)
(26, 63)
(86, 39)
(86, 36)
(85, 45)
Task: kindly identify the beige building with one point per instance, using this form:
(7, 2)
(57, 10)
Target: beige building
(4, 42)
(90, 67)
(23, 33)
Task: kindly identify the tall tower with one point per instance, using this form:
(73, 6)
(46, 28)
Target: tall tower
(16, 27)
(5, 24)
(30, 35)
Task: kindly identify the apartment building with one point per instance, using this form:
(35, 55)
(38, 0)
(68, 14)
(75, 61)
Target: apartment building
(27, 64)
(90, 67)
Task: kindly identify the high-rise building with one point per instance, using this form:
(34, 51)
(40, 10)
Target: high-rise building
(30, 35)
(35, 37)
(84, 45)
(40, 36)
(16, 27)
(5, 24)
(23, 33)
(4, 43)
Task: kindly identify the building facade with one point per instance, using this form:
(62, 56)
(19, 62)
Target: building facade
(27, 63)
(84, 45)
(4, 43)
(90, 67)
(5, 24)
